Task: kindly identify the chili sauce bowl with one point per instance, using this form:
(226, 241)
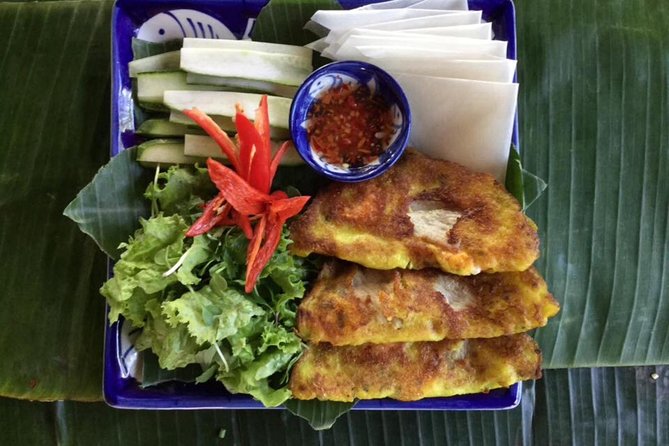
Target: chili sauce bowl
(353, 74)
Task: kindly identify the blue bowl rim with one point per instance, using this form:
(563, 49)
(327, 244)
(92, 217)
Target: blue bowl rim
(397, 147)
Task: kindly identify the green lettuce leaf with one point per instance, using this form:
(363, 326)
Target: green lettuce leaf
(153, 374)
(211, 314)
(156, 246)
(180, 191)
(197, 254)
(276, 349)
(173, 345)
(246, 382)
(187, 295)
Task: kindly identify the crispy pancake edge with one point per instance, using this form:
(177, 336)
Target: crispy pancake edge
(352, 305)
(368, 222)
(412, 371)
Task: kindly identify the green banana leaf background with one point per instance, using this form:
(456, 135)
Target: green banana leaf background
(594, 123)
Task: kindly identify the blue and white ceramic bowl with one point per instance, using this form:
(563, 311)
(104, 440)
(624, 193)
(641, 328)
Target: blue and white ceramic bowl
(353, 73)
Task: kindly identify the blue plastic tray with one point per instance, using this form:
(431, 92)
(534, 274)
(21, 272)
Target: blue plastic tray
(235, 17)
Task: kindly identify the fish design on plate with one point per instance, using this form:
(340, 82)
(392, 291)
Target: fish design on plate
(330, 82)
(180, 23)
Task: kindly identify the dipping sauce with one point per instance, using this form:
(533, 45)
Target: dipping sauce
(350, 126)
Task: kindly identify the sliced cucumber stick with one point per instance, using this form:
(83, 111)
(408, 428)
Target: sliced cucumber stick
(204, 146)
(222, 103)
(302, 62)
(163, 127)
(276, 48)
(164, 152)
(278, 68)
(245, 85)
(224, 122)
(154, 106)
(160, 62)
(152, 86)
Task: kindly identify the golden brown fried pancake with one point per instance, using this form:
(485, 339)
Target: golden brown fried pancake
(411, 371)
(352, 305)
(421, 213)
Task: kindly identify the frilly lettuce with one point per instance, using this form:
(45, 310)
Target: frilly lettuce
(187, 294)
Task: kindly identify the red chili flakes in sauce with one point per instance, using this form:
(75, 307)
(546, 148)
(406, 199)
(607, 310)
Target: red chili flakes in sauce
(348, 125)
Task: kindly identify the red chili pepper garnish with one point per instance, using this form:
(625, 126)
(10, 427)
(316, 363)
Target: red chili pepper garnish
(280, 210)
(210, 217)
(262, 120)
(244, 198)
(278, 195)
(272, 239)
(254, 244)
(213, 130)
(245, 144)
(252, 147)
(274, 166)
(263, 158)
(288, 207)
(244, 223)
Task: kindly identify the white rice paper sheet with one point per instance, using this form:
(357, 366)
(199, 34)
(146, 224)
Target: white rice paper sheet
(464, 121)
(477, 31)
(441, 4)
(443, 19)
(317, 45)
(478, 70)
(333, 20)
(348, 49)
(369, 52)
(422, 4)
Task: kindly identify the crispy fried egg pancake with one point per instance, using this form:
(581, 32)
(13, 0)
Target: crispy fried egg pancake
(352, 305)
(421, 213)
(411, 371)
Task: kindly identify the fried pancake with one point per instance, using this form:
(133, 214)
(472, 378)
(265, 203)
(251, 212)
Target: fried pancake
(411, 371)
(421, 213)
(352, 305)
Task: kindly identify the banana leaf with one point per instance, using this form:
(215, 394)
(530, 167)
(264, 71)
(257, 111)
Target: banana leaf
(593, 114)
(109, 208)
(579, 406)
(593, 118)
(54, 127)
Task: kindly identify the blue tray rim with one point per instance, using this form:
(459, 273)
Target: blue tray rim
(124, 393)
